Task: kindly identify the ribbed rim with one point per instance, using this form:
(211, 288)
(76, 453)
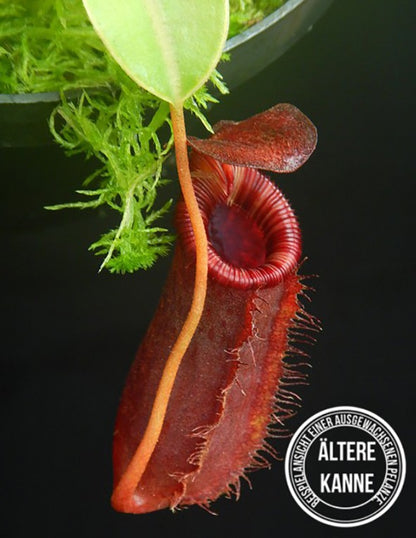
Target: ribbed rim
(261, 200)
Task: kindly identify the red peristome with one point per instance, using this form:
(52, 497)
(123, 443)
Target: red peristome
(224, 396)
(280, 139)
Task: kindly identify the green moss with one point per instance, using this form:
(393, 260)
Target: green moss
(245, 13)
(113, 129)
(49, 45)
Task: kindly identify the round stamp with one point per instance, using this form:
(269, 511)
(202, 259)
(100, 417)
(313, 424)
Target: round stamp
(345, 466)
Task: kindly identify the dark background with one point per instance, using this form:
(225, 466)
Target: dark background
(69, 334)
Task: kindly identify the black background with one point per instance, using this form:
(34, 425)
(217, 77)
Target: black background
(69, 334)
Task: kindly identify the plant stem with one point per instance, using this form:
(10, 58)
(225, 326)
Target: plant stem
(123, 496)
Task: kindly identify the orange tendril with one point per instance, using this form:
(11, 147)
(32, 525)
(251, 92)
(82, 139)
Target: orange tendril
(123, 495)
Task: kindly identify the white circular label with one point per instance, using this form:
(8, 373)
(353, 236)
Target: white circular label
(345, 466)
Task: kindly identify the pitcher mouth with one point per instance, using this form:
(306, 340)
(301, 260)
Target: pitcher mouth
(254, 239)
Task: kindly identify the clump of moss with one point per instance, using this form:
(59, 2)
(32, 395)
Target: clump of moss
(50, 45)
(245, 13)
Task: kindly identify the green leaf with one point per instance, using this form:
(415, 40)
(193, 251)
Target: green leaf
(169, 47)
